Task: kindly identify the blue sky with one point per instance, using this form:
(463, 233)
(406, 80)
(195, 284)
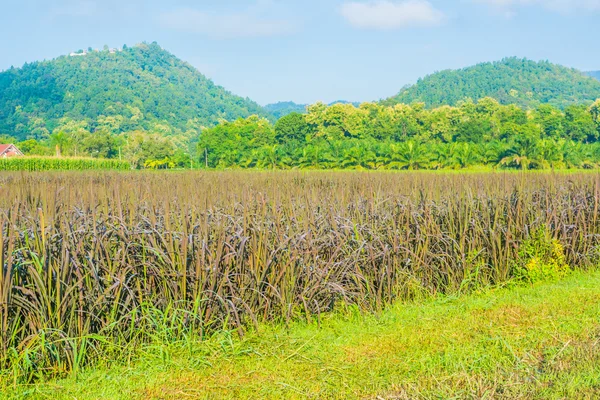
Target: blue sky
(311, 50)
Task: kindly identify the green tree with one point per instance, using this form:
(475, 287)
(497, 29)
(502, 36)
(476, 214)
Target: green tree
(291, 131)
(522, 153)
(103, 145)
(411, 156)
(580, 125)
(60, 140)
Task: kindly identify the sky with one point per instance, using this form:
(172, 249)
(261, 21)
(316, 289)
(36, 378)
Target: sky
(310, 50)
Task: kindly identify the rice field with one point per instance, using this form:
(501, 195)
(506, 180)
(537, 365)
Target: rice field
(95, 264)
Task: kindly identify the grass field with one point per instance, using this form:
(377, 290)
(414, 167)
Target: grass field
(533, 342)
(104, 268)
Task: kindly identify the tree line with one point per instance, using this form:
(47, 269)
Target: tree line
(374, 136)
(343, 136)
(154, 149)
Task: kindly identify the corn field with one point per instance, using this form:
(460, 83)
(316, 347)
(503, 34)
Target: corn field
(61, 164)
(95, 264)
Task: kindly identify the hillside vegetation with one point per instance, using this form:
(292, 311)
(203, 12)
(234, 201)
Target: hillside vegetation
(517, 81)
(142, 87)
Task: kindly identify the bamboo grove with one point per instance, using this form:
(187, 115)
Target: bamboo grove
(96, 265)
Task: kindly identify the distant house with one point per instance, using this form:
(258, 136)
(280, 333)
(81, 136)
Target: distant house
(9, 150)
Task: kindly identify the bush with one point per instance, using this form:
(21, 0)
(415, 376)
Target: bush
(541, 258)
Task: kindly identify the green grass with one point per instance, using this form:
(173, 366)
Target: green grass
(39, 163)
(539, 341)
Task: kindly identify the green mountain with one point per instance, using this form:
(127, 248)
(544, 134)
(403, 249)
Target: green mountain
(142, 87)
(284, 108)
(594, 74)
(510, 81)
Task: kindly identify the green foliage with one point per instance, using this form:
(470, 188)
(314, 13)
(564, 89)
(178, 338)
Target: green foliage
(541, 258)
(292, 130)
(148, 150)
(510, 81)
(145, 106)
(60, 164)
(139, 148)
(243, 143)
(281, 109)
(373, 136)
(140, 88)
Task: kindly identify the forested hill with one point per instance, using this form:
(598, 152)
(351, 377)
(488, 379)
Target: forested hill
(284, 108)
(594, 74)
(510, 81)
(142, 87)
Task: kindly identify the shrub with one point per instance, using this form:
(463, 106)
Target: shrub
(541, 258)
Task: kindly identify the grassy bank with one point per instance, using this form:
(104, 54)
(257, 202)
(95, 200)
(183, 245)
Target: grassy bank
(538, 341)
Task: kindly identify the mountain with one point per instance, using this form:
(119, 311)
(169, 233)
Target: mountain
(510, 81)
(142, 87)
(284, 108)
(594, 74)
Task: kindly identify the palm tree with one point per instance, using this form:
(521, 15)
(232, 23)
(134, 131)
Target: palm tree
(268, 156)
(335, 154)
(465, 155)
(311, 157)
(358, 156)
(60, 140)
(351, 158)
(228, 159)
(522, 153)
(411, 156)
(576, 155)
(549, 154)
(443, 156)
(492, 152)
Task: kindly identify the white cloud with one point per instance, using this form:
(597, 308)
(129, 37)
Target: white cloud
(236, 25)
(562, 6)
(387, 15)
